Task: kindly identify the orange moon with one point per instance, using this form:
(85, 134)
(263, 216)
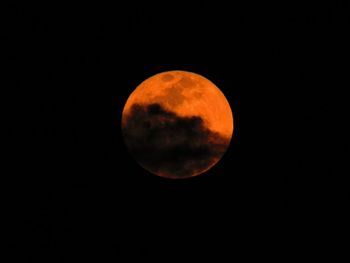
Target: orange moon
(177, 124)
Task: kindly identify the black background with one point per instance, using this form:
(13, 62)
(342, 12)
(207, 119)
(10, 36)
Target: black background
(75, 194)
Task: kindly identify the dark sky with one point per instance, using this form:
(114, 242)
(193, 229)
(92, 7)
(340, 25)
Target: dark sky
(76, 194)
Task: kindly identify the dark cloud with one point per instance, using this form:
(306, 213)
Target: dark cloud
(167, 144)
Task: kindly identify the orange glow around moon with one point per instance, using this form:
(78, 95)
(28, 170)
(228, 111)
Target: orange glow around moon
(186, 94)
(177, 124)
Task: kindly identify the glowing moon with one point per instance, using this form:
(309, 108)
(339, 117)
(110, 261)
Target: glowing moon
(177, 124)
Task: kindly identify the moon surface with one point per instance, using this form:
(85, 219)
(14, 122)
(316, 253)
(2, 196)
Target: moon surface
(177, 124)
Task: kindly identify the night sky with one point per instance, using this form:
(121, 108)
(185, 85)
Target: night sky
(74, 192)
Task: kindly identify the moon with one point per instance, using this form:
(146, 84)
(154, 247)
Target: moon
(177, 124)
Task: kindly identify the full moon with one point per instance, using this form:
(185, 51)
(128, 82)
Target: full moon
(177, 124)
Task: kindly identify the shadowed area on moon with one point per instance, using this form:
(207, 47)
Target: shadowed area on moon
(169, 145)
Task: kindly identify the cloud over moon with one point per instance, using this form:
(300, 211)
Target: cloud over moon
(170, 145)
